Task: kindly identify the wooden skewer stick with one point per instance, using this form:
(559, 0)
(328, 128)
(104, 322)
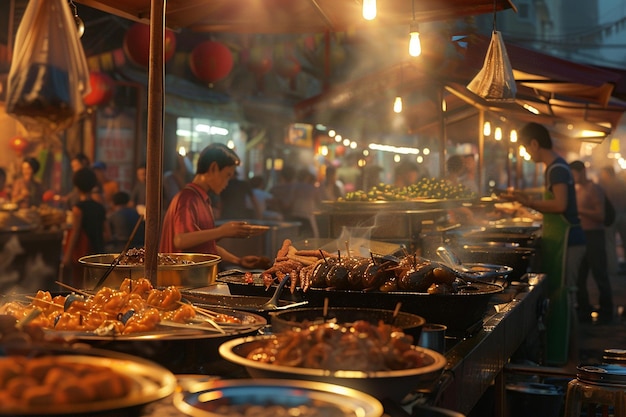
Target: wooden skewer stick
(44, 301)
(76, 290)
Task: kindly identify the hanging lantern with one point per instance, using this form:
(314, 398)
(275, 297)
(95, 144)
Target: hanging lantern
(18, 144)
(137, 44)
(102, 88)
(211, 61)
(258, 59)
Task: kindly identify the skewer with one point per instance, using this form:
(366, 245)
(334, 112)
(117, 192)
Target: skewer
(43, 301)
(76, 290)
(323, 257)
(397, 310)
(325, 310)
(347, 243)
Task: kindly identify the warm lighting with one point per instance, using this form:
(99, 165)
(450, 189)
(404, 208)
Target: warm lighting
(278, 164)
(614, 145)
(487, 129)
(415, 46)
(592, 134)
(369, 9)
(396, 149)
(497, 134)
(332, 133)
(361, 163)
(397, 158)
(366, 152)
(444, 105)
(346, 142)
(397, 105)
(513, 136)
(530, 108)
(182, 151)
(419, 159)
(426, 151)
(231, 144)
(353, 145)
(324, 150)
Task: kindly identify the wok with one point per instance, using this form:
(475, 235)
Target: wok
(459, 311)
(410, 324)
(518, 258)
(381, 384)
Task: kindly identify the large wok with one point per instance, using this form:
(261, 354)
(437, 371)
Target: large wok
(460, 312)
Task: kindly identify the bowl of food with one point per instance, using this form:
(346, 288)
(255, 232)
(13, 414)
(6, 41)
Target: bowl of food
(302, 318)
(274, 397)
(373, 359)
(179, 269)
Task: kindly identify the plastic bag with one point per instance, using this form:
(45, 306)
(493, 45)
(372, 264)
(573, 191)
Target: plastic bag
(495, 80)
(49, 73)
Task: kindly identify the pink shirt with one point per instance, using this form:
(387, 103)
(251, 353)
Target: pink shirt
(189, 211)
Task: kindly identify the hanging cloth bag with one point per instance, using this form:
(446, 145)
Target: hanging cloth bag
(49, 74)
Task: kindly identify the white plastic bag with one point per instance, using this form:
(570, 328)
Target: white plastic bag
(495, 80)
(49, 74)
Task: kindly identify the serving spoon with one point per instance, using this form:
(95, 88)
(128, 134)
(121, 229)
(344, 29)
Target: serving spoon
(272, 303)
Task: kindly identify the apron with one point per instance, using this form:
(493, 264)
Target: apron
(553, 251)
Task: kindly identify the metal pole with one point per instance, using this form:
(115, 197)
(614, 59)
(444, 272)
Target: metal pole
(154, 153)
(481, 152)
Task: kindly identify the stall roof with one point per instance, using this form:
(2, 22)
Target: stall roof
(564, 92)
(293, 16)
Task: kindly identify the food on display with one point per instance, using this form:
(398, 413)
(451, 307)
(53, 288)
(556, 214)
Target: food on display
(276, 410)
(135, 307)
(51, 380)
(320, 269)
(425, 188)
(361, 346)
(137, 256)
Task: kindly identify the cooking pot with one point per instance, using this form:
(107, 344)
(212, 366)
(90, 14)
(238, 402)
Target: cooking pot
(410, 324)
(500, 253)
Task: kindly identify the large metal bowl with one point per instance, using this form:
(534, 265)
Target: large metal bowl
(410, 324)
(211, 399)
(195, 269)
(394, 385)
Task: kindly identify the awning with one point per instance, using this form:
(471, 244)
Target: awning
(293, 16)
(563, 92)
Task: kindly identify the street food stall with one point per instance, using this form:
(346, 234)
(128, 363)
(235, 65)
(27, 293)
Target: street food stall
(455, 378)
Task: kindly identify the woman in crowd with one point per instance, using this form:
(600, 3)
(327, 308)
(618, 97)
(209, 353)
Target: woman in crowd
(27, 191)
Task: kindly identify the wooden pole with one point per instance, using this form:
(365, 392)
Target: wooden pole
(154, 153)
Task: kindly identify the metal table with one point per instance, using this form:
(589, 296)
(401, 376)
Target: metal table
(476, 362)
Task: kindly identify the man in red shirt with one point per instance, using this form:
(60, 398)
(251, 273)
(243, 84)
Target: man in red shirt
(189, 225)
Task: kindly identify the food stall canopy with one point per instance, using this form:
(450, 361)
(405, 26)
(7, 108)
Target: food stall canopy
(293, 16)
(563, 92)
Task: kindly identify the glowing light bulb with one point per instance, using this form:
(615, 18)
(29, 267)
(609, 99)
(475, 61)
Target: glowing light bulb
(497, 134)
(397, 105)
(513, 136)
(369, 9)
(487, 129)
(415, 46)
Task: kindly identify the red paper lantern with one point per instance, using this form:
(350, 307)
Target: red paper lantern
(211, 61)
(18, 144)
(102, 88)
(287, 67)
(137, 44)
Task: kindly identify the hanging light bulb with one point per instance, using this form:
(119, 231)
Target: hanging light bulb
(415, 46)
(369, 9)
(497, 134)
(80, 25)
(397, 104)
(487, 129)
(513, 136)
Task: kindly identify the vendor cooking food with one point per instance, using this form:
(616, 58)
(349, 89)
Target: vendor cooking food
(189, 225)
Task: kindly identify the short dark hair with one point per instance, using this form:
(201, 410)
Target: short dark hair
(34, 164)
(82, 158)
(455, 164)
(121, 198)
(85, 180)
(538, 132)
(578, 166)
(219, 153)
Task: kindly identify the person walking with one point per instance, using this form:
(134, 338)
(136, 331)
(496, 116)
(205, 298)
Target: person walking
(189, 225)
(590, 203)
(562, 242)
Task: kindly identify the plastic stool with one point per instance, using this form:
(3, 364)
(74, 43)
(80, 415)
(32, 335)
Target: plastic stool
(597, 391)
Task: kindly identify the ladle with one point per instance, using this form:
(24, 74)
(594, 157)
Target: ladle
(451, 259)
(272, 303)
